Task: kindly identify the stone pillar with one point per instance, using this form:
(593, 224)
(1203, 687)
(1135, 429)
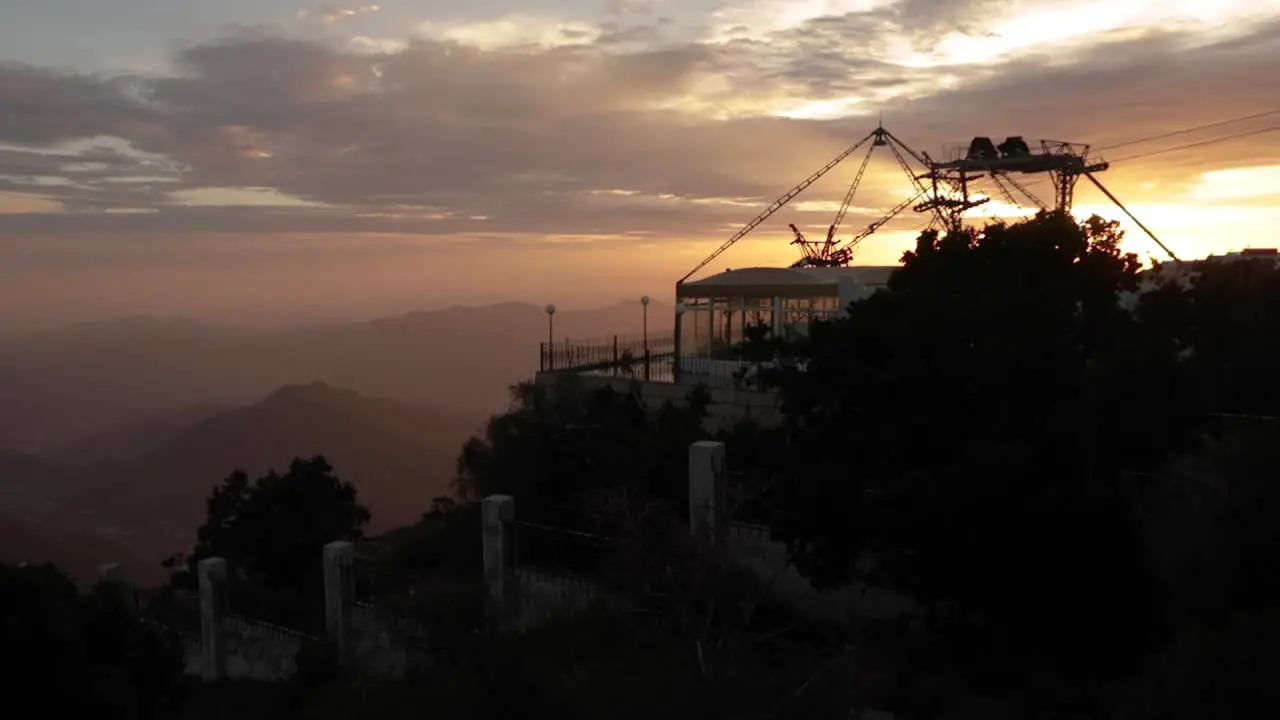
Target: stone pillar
(339, 593)
(501, 587)
(707, 490)
(212, 573)
(112, 577)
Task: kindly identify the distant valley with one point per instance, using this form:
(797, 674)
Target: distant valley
(65, 385)
(141, 506)
(113, 434)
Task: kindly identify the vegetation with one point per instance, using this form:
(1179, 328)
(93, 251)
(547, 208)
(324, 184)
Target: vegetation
(271, 533)
(75, 654)
(1073, 478)
(994, 432)
(567, 449)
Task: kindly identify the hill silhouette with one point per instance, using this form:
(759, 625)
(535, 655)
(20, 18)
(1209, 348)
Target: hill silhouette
(130, 439)
(65, 385)
(399, 456)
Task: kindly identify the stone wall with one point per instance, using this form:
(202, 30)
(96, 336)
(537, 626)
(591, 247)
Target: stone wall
(236, 647)
(515, 597)
(192, 656)
(524, 596)
(544, 595)
(259, 651)
(751, 546)
(381, 642)
(728, 405)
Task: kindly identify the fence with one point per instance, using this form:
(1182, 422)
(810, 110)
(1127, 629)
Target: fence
(558, 550)
(299, 608)
(368, 615)
(622, 355)
(170, 608)
(428, 614)
(533, 568)
(390, 623)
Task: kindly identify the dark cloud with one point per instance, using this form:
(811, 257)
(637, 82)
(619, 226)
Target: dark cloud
(41, 107)
(1119, 93)
(520, 136)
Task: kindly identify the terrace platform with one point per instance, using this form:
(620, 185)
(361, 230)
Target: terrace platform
(712, 319)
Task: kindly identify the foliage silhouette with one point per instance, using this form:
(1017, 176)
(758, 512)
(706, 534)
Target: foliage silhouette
(271, 533)
(563, 446)
(971, 428)
(73, 654)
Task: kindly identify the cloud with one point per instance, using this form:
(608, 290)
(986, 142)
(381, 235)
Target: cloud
(524, 120)
(515, 31)
(330, 15)
(1239, 183)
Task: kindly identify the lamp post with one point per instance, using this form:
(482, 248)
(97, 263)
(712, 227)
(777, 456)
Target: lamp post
(551, 334)
(644, 302)
(675, 358)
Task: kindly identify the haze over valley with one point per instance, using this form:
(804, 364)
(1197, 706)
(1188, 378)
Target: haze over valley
(112, 434)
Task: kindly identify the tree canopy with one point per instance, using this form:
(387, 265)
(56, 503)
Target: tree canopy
(271, 531)
(1011, 433)
(564, 447)
(972, 427)
(994, 431)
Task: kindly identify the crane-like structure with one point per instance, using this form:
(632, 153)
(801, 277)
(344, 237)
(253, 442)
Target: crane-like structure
(1064, 162)
(831, 252)
(942, 189)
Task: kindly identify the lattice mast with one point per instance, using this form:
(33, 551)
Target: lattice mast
(831, 252)
(942, 190)
(1064, 162)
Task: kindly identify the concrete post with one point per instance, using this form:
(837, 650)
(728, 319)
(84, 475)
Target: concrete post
(500, 583)
(212, 574)
(707, 490)
(113, 578)
(339, 593)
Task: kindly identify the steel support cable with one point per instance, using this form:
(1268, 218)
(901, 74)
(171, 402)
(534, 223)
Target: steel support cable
(1202, 143)
(1187, 131)
(1025, 191)
(894, 212)
(1004, 191)
(906, 168)
(1138, 222)
(775, 206)
(853, 187)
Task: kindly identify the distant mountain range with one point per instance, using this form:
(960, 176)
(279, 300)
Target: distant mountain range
(135, 494)
(69, 385)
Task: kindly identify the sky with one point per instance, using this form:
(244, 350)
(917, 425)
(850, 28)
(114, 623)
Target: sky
(273, 161)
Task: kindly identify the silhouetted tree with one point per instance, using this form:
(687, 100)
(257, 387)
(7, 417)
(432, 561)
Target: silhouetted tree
(1213, 531)
(1230, 319)
(972, 428)
(271, 533)
(560, 447)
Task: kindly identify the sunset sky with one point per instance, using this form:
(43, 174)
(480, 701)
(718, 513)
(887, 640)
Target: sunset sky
(257, 161)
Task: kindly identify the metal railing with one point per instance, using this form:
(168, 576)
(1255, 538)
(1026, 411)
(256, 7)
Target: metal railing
(625, 355)
(300, 610)
(170, 608)
(559, 550)
(417, 606)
